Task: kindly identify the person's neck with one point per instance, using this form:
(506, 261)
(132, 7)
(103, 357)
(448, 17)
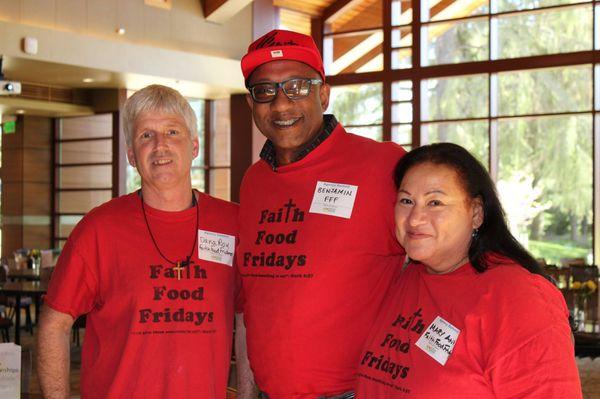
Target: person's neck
(451, 265)
(285, 157)
(172, 200)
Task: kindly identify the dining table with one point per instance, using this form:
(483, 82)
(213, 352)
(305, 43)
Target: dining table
(15, 274)
(18, 289)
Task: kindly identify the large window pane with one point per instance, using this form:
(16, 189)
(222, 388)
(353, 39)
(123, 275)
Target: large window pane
(402, 134)
(81, 201)
(221, 133)
(66, 224)
(99, 176)
(198, 179)
(372, 132)
(353, 52)
(134, 181)
(455, 98)
(548, 90)
(472, 135)
(91, 151)
(198, 107)
(357, 104)
(220, 183)
(402, 112)
(456, 41)
(545, 32)
(402, 58)
(439, 10)
(545, 182)
(86, 127)
(364, 14)
(402, 90)
(510, 5)
(401, 12)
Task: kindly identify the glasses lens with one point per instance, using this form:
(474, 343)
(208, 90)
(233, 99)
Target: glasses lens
(263, 92)
(297, 88)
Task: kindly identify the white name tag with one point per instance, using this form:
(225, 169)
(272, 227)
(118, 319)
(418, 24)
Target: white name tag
(216, 247)
(438, 340)
(333, 199)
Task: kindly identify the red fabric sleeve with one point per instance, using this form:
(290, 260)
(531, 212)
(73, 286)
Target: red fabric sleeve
(543, 367)
(73, 288)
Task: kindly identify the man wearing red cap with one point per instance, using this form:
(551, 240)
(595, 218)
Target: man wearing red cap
(317, 248)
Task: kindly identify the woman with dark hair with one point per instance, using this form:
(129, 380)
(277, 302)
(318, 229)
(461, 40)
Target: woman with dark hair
(471, 315)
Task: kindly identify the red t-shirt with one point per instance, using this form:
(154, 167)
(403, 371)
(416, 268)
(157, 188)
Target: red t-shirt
(313, 282)
(149, 334)
(503, 333)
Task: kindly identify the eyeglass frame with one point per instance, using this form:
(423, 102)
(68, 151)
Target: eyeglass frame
(279, 85)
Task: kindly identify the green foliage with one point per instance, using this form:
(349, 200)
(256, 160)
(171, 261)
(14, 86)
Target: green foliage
(553, 252)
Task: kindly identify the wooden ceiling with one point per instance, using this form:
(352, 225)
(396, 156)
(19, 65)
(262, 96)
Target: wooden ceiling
(314, 8)
(341, 14)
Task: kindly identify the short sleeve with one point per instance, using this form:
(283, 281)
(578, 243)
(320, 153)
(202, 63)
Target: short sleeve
(73, 288)
(543, 367)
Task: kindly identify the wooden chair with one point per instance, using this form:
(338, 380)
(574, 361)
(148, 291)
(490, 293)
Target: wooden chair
(584, 272)
(10, 302)
(568, 262)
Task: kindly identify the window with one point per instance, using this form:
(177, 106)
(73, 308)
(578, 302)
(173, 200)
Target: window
(83, 170)
(513, 81)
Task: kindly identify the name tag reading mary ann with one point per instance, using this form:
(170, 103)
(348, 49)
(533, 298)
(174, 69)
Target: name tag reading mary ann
(216, 247)
(438, 340)
(333, 199)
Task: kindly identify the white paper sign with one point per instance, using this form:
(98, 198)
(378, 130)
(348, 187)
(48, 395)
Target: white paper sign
(438, 340)
(333, 199)
(216, 247)
(10, 371)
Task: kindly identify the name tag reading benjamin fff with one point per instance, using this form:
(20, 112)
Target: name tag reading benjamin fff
(334, 199)
(438, 340)
(216, 247)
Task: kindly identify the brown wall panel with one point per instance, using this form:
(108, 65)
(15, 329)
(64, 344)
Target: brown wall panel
(37, 132)
(241, 142)
(12, 164)
(37, 165)
(12, 239)
(36, 199)
(27, 184)
(35, 236)
(12, 198)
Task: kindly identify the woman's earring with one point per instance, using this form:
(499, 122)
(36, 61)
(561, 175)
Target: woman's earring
(475, 233)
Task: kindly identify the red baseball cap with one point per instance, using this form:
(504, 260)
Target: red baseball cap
(280, 45)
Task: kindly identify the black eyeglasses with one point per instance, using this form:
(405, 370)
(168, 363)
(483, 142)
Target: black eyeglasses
(294, 89)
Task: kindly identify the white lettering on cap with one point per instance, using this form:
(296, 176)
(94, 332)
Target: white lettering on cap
(276, 53)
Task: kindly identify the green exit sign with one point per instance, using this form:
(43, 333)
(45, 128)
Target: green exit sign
(9, 127)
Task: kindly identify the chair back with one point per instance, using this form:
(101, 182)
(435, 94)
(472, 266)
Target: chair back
(584, 273)
(3, 271)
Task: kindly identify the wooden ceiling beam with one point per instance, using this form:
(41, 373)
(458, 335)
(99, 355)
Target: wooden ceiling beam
(219, 11)
(338, 8)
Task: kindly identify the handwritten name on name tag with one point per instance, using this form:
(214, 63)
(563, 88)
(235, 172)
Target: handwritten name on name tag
(216, 247)
(438, 340)
(333, 199)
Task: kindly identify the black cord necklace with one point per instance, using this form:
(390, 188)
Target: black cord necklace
(179, 265)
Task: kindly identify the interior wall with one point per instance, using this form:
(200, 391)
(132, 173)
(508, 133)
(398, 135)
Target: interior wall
(182, 28)
(27, 185)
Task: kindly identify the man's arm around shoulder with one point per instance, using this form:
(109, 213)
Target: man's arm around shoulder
(53, 353)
